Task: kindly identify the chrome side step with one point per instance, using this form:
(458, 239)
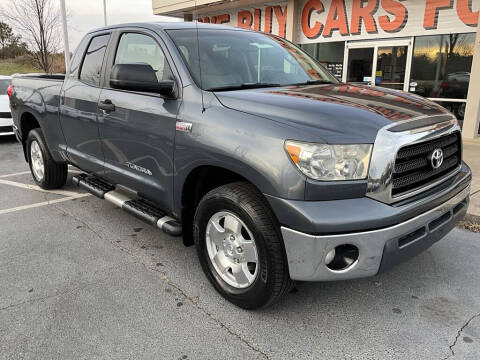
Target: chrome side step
(128, 201)
(116, 198)
(93, 185)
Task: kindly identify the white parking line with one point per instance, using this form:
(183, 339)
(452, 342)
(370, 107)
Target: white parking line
(37, 188)
(15, 174)
(44, 203)
(71, 169)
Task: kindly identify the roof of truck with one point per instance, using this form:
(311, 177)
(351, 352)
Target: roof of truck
(171, 25)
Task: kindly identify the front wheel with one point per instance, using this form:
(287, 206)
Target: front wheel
(240, 247)
(45, 171)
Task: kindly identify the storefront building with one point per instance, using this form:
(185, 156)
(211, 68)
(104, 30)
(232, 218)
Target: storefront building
(428, 47)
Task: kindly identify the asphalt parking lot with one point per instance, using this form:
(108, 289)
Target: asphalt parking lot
(80, 279)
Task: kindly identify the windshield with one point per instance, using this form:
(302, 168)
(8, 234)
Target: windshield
(4, 85)
(237, 59)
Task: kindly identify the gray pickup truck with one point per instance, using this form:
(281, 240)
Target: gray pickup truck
(247, 147)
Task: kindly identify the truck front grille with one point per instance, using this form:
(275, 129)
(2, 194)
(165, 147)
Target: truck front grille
(5, 115)
(413, 166)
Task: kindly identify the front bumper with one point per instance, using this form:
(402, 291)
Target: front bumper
(378, 249)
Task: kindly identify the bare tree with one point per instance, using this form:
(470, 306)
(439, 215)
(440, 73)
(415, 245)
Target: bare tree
(38, 22)
(6, 35)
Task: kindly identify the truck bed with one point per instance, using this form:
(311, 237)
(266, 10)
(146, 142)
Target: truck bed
(41, 76)
(39, 96)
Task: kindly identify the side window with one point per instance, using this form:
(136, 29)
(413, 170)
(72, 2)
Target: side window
(138, 48)
(92, 63)
(77, 58)
(185, 52)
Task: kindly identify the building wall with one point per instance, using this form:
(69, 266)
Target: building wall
(267, 18)
(178, 7)
(472, 114)
(339, 20)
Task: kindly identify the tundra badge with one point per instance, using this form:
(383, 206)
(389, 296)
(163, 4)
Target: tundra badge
(138, 168)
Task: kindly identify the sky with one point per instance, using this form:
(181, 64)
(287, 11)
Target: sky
(86, 15)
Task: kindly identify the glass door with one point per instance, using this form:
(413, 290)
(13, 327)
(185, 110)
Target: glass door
(360, 62)
(383, 63)
(391, 67)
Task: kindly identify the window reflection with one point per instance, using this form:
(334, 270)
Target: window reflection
(391, 63)
(360, 62)
(441, 65)
(92, 63)
(142, 49)
(329, 54)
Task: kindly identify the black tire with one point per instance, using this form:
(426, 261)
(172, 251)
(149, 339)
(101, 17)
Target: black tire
(273, 279)
(55, 175)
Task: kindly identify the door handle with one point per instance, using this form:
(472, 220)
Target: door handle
(106, 106)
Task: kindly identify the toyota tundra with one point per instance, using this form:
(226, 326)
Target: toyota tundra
(245, 146)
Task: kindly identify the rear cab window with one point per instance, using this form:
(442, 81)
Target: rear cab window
(91, 70)
(77, 57)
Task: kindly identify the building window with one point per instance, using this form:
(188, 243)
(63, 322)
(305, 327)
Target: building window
(441, 68)
(329, 54)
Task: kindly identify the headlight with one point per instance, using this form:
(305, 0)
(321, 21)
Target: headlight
(330, 162)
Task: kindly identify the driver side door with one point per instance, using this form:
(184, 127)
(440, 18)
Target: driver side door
(137, 136)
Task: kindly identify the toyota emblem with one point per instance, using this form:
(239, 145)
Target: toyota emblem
(436, 159)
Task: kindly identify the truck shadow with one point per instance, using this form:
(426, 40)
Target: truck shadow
(401, 289)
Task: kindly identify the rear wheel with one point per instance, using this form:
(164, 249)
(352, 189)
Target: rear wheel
(240, 247)
(45, 171)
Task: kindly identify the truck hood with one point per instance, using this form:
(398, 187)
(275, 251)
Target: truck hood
(341, 112)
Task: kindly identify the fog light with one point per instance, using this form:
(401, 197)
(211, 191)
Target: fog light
(330, 256)
(342, 257)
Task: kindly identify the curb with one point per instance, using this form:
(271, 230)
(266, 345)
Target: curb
(472, 218)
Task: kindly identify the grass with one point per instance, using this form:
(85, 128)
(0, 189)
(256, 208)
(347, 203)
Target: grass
(23, 64)
(10, 66)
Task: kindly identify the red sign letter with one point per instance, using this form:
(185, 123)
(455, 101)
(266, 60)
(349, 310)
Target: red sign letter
(268, 20)
(336, 19)
(366, 13)
(432, 7)
(222, 19)
(464, 11)
(315, 31)
(257, 19)
(281, 19)
(400, 12)
(244, 19)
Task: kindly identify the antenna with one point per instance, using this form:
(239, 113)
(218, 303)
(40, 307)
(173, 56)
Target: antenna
(195, 18)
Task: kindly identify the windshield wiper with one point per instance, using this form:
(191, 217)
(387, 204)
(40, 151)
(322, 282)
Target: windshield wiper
(315, 82)
(243, 86)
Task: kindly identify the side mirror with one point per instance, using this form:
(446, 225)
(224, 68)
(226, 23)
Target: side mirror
(139, 77)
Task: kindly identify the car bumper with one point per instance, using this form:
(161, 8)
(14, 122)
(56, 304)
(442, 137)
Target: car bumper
(6, 126)
(384, 234)
(377, 249)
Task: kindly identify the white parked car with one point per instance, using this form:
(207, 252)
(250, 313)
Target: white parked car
(6, 122)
